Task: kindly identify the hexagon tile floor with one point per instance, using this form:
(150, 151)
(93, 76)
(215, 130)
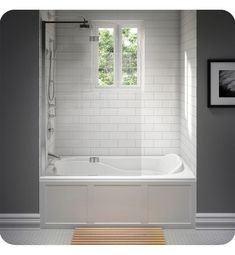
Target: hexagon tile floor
(64, 236)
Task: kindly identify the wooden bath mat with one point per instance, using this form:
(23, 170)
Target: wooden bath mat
(118, 235)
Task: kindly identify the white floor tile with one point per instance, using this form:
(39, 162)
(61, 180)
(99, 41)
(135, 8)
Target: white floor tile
(64, 236)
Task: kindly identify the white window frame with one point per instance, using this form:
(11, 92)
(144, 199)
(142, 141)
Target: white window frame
(117, 26)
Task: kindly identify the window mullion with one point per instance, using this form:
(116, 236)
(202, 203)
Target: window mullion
(118, 56)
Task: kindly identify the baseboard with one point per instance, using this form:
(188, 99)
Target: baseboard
(202, 220)
(63, 225)
(19, 220)
(215, 221)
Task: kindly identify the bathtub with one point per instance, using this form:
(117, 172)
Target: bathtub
(122, 167)
(118, 190)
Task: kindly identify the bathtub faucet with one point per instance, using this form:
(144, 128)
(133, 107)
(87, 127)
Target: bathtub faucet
(54, 155)
(94, 159)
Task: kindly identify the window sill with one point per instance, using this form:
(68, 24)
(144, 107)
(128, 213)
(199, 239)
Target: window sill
(119, 87)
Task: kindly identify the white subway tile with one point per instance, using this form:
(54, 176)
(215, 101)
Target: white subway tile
(109, 127)
(108, 143)
(147, 127)
(167, 143)
(134, 119)
(95, 127)
(152, 151)
(170, 103)
(126, 127)
(94, 143)
(133, 103)
(152, 103)
(118, 119)
(170, 150)
(170, 119)
(147, 111)
(126, 96)
(134, 151)
(153, 135)
(134, 135)
(147, 143)
(148, 96)
(119, 151)
(108, 111)
(99, 119)
(118, 135)
(153, 119)
(65, 151)
(118, 103)
(81, 151)
(126, 143)
(170, 135)
(138, 111)
(166, 111)
(100, 151)
(98, 135)
(126, 111)
(108, 95)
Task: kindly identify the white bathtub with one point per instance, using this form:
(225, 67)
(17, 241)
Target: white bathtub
(131, 190)
(168, 166)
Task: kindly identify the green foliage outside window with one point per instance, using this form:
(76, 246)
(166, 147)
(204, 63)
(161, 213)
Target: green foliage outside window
(106, 57)
(129, 56)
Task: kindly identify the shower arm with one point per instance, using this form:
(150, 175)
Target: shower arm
(52, 16)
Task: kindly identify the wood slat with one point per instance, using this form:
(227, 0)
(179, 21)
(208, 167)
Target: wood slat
(100, 229)
(119, 243)
(118, 235)
(104, 242)
(118, 232)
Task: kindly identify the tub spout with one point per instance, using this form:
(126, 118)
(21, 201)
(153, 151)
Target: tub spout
(94, 159)
(54, 155)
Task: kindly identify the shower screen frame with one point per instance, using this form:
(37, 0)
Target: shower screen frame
(43, 119)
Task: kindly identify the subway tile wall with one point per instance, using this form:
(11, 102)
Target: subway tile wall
(188, 113)
(93, 121)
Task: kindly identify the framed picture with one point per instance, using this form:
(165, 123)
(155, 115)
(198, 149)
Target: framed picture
(221, 83)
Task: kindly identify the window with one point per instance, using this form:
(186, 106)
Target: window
(106, 57)
(117, 55)
(129, 56)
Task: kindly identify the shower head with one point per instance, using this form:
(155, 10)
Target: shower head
(84, 24)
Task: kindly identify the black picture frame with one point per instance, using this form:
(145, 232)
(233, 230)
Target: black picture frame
(213, 83)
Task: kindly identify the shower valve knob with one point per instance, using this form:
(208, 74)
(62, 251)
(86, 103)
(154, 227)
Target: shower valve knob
(51, 115)
(51, 130)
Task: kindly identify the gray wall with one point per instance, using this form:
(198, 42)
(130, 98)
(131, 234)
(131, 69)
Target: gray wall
(216, 126)
(19, 112)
